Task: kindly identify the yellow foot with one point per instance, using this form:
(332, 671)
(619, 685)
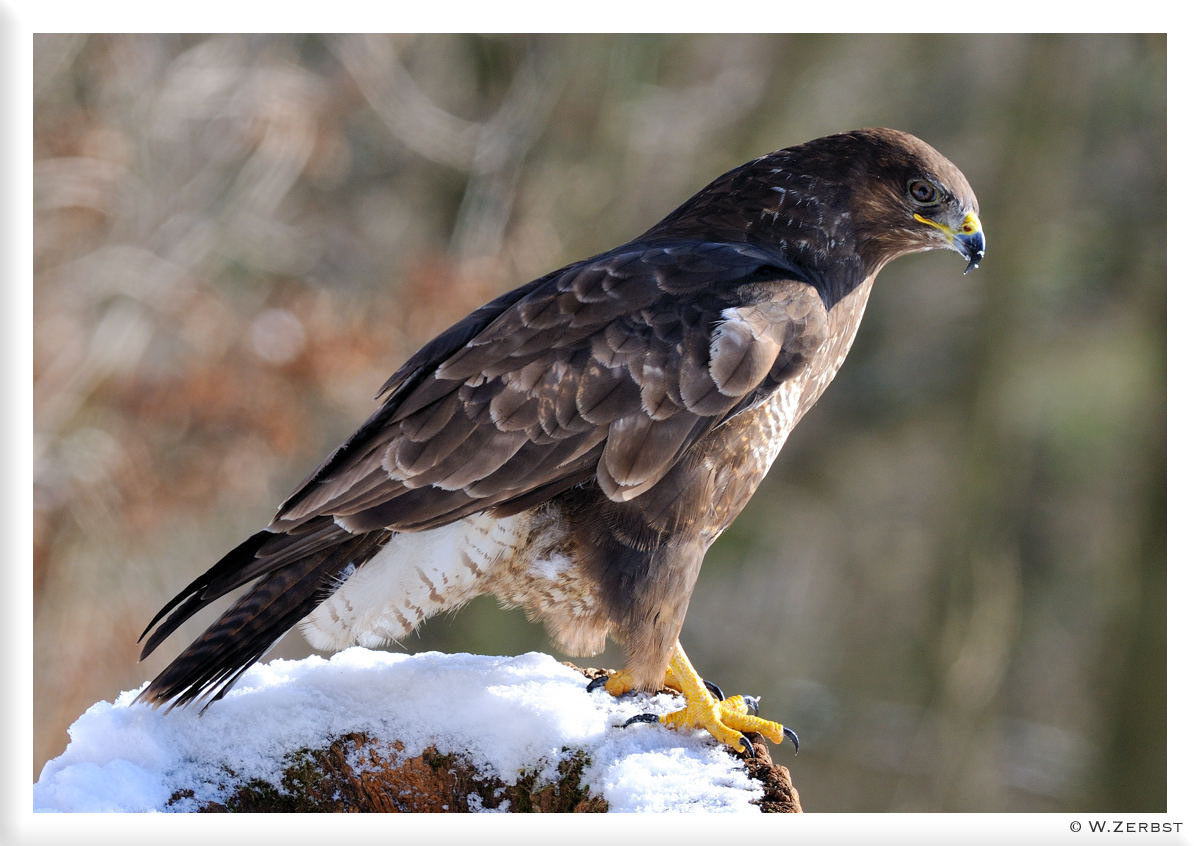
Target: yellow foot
(621, 682)
(725, 719)
(618, 684)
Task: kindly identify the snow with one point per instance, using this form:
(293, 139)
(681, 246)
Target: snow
(506, 714)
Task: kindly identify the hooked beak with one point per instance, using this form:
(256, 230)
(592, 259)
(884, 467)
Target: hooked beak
(967, 240)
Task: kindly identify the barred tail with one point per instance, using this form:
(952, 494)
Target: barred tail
(295, 572)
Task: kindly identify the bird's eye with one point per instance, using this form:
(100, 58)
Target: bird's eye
(923, 192)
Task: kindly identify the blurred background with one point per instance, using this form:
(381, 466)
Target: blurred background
(952, 585)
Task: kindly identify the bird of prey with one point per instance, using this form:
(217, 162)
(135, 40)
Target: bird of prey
(576, 445)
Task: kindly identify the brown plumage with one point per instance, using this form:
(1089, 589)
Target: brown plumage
(576, 445)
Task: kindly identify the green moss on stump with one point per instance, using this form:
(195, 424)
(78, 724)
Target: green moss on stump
(356, 773)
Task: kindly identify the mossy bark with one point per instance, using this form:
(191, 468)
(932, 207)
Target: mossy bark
(357, 773)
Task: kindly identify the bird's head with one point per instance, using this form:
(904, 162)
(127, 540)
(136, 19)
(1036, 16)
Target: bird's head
(909, 197)
(841, 206)
(886, 193)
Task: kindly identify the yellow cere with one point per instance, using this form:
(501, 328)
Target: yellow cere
(970, 225)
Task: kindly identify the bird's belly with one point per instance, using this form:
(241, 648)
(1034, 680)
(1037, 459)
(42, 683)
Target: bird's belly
(524, 560)
(414, 576)
(553, 583)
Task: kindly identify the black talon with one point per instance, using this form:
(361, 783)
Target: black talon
(715, 690)
(598, 681)
(751, 703)
(640, 718)
(748, 746)
(791, 735)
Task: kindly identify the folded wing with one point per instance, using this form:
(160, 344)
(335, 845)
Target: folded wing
(609, 369)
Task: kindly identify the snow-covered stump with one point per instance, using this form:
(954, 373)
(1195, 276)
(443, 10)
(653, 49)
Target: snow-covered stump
(381, 731)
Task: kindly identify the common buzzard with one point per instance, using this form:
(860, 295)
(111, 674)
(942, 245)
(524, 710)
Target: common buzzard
(576, 445)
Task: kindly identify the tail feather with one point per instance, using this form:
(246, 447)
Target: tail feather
(252, 625)
(198, 594)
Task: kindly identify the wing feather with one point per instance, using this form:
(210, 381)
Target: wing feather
(605, 393)
(408, 459)
(640, 450)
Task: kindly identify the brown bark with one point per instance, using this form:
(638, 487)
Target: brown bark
(358, 774)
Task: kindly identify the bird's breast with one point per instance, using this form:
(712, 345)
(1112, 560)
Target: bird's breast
(800, 393)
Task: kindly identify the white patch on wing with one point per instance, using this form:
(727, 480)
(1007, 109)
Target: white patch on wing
(414, 576)
(744, 346)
